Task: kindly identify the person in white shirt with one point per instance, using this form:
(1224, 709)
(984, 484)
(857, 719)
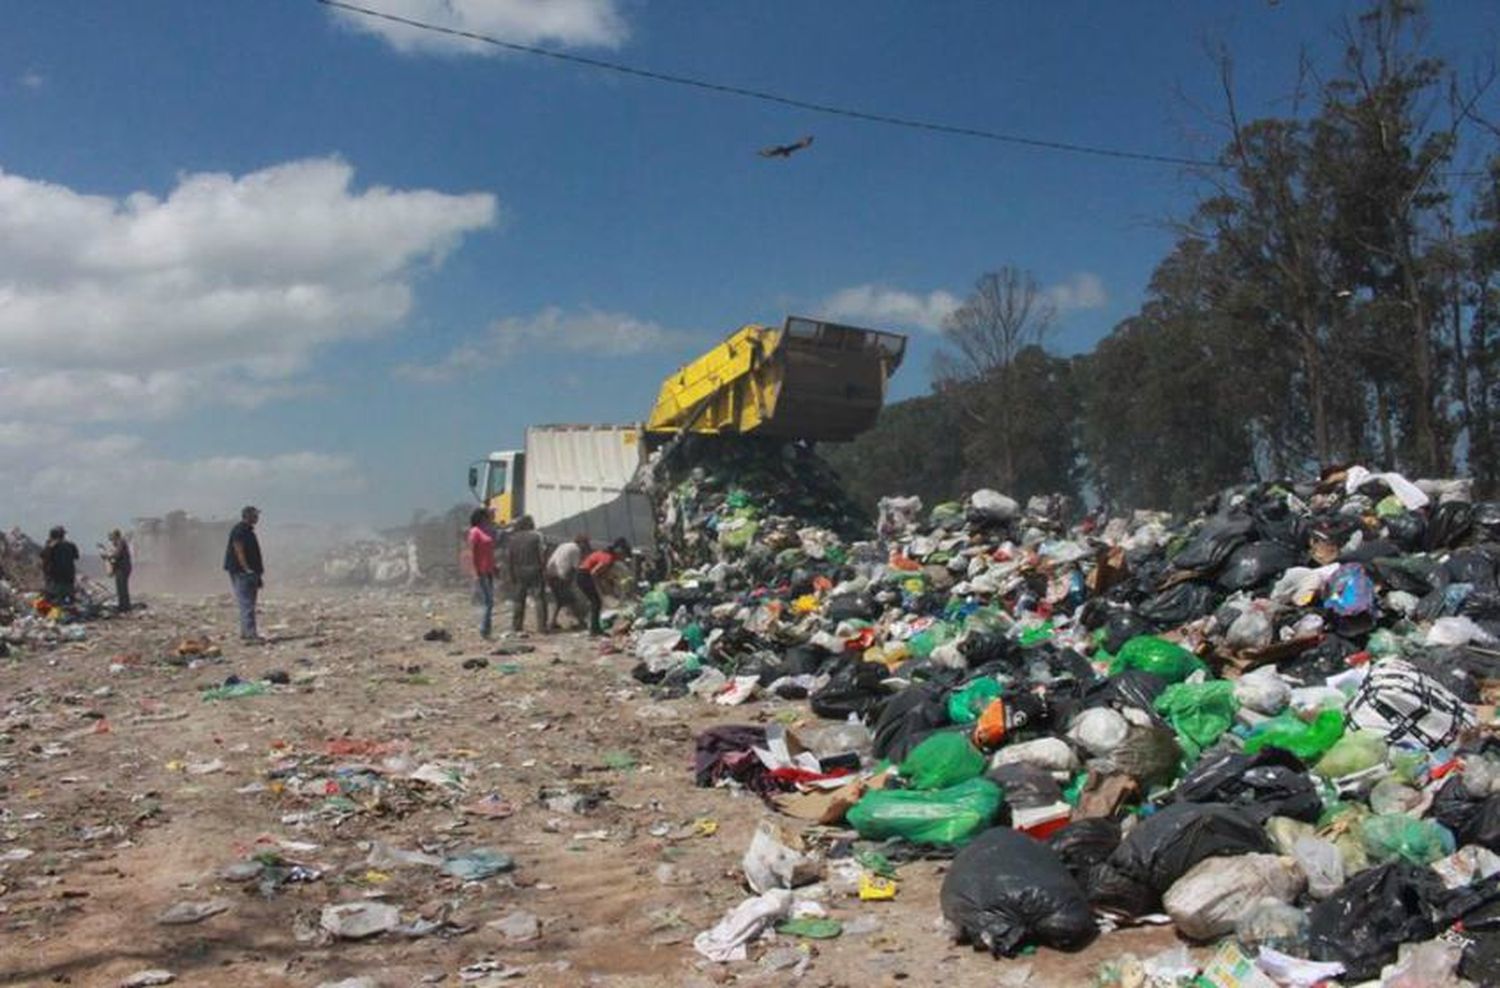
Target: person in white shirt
(562, 578)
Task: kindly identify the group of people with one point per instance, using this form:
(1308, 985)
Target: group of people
(573, 569)
(60, 567)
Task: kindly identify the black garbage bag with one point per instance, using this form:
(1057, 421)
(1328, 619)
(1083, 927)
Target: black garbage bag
(1178, 605)
(1449, 525)
(1480, 962)
(1131, 688)
(982, 648)
(1211, 547)
(850, 606)
(1111, 891)
(1327, 658)
(1269, 783)
(1005, 890)
(1472, 819)
(1408, 530)
(805, 660)
(1447, 666)
(1256, 564)
(1176, 837)
(906, 718)
(853, 688)
(1474, 566)
(1084, 844)
(1276, 522)
(1363, 923)
(1486, 517)
(1370, 550)
(1123, 626)
(1413, 574)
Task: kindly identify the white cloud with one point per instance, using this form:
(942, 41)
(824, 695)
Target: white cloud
(586, 331)
(882, 306)
(879, 305)
(572, 23)
(92, 483)
(32, 80)
(137, 307)
(1082, 290)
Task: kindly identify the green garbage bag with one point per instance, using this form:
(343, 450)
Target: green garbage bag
(965, 705)
(1289, 732)
(655, 604)
(1354, 752)
(941, 816)
(1396, 835)
(944, 759)
(1198, 712)
(949, 514)
(1036, 635)
(737, 533)
(1157, 656)
(921, 644)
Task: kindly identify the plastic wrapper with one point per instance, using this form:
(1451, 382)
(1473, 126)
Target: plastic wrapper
(1005, 890)
(1401, 703)
(1098, 730)
(1353, 753)
(1210, 898)
(1273, 923)
(942, 816)
(1396, 835)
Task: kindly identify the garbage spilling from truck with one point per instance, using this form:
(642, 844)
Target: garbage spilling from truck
(1272, 725)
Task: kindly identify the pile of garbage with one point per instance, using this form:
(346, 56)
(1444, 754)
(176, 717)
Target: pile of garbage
(746, 498)
(1271, 723)
(20, 571)
(372, 562)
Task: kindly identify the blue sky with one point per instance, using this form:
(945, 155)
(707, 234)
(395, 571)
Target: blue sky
(260, 251)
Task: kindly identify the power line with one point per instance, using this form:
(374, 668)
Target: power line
(768, 97)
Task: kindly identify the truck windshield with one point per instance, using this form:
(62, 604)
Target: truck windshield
(498, 475)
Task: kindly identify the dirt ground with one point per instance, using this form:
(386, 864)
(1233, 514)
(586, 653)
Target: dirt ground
(123, 792)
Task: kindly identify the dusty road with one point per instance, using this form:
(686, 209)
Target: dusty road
(125, 793)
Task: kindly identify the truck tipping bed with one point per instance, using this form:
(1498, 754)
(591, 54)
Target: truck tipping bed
(808, 379)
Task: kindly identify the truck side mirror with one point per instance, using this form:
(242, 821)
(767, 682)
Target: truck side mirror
(474, 480)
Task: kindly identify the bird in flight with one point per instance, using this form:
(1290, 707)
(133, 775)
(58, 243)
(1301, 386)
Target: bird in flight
(785, 150)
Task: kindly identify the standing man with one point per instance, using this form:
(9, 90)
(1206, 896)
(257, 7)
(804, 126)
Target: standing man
(482, 553)
(562, 578)
(118, 559)
(246, 571)
(59, 566)
(524, 563)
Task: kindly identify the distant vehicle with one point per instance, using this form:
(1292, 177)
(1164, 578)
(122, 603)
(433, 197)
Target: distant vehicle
(805, 380)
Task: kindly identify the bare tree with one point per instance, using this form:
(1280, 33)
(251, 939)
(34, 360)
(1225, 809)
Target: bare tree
(1007, 313)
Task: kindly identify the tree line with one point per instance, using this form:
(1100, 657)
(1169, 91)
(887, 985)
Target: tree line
(1333, 296)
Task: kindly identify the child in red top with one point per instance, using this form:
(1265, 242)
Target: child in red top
(589, 573)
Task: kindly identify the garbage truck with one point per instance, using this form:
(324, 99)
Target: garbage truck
(808, 380)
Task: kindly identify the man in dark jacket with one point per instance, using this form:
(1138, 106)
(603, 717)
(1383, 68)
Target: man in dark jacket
(59, 566)
(525, 561)
(246, 571)
(118, 558)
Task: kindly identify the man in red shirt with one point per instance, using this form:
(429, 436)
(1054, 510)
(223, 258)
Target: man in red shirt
(590, 571)
(482, 551)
